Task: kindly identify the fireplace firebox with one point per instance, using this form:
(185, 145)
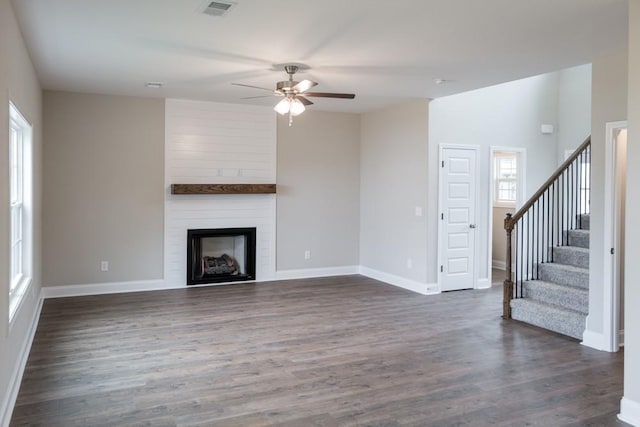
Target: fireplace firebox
(221, 255)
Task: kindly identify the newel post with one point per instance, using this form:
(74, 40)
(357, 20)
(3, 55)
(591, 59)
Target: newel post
(508, 283)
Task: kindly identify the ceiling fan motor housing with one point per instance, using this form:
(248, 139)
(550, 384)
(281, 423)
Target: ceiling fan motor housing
(286, 85)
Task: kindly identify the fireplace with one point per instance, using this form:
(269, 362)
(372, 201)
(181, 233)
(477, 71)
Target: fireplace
(221, 255)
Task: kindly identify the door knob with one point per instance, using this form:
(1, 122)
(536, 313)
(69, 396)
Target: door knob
(472, 226)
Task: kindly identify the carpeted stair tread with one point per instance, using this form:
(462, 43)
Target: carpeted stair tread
(565, 274)
(571, 255)
(564, 296)
(559, 299)
(551, 317)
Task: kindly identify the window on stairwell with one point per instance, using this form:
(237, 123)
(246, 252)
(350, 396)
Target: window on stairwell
(20, 206)
(585, 187)
(505, 179)
(584, 179)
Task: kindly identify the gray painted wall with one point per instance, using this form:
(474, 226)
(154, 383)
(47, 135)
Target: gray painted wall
(393, 182)
(632, 279)
(318, 204)
(104, 188)
(609, 95)
(574, 108)
(18, 83)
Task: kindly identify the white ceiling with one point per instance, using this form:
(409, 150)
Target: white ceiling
(385, 51)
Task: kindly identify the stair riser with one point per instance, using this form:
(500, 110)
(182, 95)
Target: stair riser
(578, 239)
(567, 298)
(584, 222)
(568, 255)
(566, 323)
(555, 274)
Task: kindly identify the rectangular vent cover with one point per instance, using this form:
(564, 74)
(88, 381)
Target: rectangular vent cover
(218, 8)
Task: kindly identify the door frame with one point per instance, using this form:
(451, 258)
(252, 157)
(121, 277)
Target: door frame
(476, 251)
(521, 154)
(611, 291)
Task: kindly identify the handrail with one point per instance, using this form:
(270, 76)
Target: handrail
(516, 216)
(542, 222)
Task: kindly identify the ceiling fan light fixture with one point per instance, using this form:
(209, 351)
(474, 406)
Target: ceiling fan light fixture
(297, 107)
(283, 106)
(289, 105)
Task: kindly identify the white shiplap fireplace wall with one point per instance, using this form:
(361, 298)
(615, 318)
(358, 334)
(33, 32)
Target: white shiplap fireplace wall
(214, 143)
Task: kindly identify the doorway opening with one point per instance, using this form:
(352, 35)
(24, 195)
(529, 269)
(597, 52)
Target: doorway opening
(614, 236)
(506, 195)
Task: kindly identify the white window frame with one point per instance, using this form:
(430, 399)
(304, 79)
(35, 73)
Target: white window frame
(499, 203)
(21, 204)
(585, 182)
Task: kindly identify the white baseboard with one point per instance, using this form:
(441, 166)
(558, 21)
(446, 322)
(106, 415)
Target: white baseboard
(483, 284)
(621, 337)
(498, 264)
(106, 288)
(595, 340)
(9, 401)
(629, 411)
(401, 282)
(309, 273)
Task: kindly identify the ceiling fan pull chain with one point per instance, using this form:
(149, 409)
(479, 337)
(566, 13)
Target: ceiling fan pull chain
(290, 118)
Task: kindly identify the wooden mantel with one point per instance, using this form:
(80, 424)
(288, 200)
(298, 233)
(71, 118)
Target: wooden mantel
(223, 188)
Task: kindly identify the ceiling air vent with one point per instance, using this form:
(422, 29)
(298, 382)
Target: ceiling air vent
(218, 8)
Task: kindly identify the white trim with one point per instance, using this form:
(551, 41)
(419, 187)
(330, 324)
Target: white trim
(308, 273)
(629, 411)
(26, 182)
(401, 282)
(17, 297)
(9, 400)
(106, 288)
(441, 148)
(621, 338)
(157, 285)
(483, 283)
(611, 293)
(503, 204)
(160, 284)
(499, 264)
(595, 340)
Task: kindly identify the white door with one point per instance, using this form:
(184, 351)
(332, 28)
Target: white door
(458, 218)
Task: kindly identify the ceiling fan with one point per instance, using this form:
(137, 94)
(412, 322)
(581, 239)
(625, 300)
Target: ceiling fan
(295, 93)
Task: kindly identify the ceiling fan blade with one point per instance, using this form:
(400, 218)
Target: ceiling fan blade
(331, 95)
(304, 85)
(304, 100)
(261, 96)
(253, 87)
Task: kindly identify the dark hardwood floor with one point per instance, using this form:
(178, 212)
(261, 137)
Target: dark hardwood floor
(341, 351)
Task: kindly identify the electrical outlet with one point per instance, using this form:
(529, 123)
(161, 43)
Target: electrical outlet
(104, 266)
(307, 254)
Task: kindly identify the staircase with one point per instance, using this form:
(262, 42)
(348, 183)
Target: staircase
(547, 277)
(559, 301)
